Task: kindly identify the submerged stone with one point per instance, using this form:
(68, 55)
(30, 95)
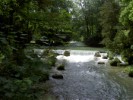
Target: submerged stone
(101, 62)
(57, 76)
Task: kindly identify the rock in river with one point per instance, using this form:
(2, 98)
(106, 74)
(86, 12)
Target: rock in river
(57, 76)
(97, 54)
(101, 62)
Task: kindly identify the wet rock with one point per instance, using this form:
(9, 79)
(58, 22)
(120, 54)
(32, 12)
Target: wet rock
(101, 62)
(57, 76)
(105, 57)
(66, 53)
(97, 54)
(102, 51)
(61, 67)
(115, 62)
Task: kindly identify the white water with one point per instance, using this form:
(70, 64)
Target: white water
(80, 56)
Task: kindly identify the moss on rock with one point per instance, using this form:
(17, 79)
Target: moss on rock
(97, 54)
(66, 53)
(115, 62)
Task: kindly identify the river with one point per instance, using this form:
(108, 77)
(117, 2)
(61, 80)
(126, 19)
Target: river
(84, 79)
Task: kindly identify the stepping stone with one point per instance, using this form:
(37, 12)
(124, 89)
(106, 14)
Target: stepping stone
(61, 67)
(57, 76)
(104, 57)
(101, 62)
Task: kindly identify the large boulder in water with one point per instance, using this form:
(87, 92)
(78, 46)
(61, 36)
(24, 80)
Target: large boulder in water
(66, 53)
(105, 57)
(115, 62)
(97, 54)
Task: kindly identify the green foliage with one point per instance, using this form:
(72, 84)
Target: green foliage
(20, 22)
(109, 21)
(129, 70)
(110, 55)
(121, 38)
(126, 15)
(49, 56)
(86, 20)
(19, 81)
(1, 57)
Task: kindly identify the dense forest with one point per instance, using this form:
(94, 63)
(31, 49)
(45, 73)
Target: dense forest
(25, 24)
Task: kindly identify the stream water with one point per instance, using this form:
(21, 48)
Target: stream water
(84, 79)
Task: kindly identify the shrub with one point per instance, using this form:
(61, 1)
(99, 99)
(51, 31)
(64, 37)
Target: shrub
(50, 56)
(18, 82)
(129, 70)
(110, 55)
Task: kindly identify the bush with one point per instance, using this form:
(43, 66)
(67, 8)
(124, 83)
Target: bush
(49, 56)
(17, 82)
(110, 55)
(129, 70)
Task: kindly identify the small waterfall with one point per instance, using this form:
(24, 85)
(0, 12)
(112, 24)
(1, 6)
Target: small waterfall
(79, 55)
(76, 52)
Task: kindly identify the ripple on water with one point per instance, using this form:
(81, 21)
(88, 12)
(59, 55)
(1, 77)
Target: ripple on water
(83, 80)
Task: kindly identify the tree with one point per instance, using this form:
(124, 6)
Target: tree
(109, 21)
(19, 72)
(126, 19)
(57, 22)
(89, 20)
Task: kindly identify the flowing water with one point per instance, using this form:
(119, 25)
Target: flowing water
(84, 79)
